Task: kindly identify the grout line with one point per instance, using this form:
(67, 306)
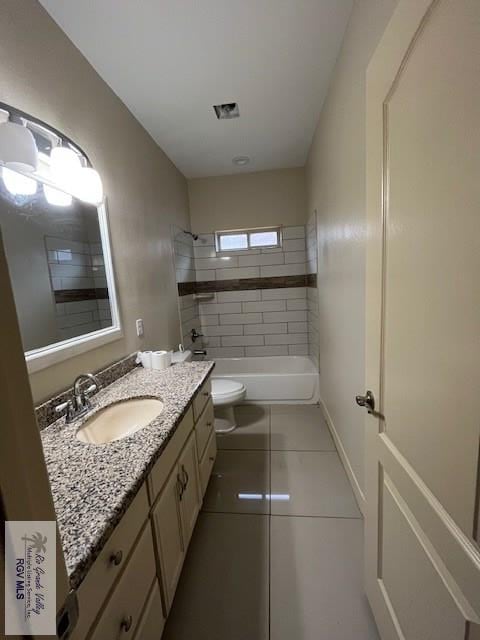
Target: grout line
(281, 450)
(283, 515)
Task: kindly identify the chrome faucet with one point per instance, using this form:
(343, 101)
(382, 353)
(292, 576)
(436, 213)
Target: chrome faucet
(80, 404)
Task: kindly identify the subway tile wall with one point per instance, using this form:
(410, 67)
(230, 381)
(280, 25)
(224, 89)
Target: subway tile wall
(77, 265)
(266, 322)
(261, 322)
(185, 272)
(288, 260)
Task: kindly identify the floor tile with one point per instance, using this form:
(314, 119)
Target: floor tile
(317, 580)
(302, 431)
(297, 409)
(253, 429)
(240, 483)
(310, 483)
(223, 590)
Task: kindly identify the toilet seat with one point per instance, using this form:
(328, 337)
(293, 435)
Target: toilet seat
(226, 391)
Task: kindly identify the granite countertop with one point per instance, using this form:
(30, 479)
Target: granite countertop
(93, 484)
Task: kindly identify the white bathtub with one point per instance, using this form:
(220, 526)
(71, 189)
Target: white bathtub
(276, 379)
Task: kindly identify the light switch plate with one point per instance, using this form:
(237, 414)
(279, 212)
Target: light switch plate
(139, 325)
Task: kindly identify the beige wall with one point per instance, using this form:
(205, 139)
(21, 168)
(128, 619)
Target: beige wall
(336, 188)
(248, 200)
(42, 73)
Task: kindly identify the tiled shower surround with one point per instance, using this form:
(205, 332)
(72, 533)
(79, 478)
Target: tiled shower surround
(185, 273)
(248, 303)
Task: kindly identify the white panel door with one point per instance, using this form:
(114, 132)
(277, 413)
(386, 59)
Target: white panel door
(423, 323)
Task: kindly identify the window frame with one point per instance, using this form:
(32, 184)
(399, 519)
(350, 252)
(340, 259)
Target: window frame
(248, 232)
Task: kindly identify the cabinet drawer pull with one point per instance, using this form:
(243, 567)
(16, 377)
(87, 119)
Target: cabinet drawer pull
(180, 487)
(209, 424)
(185, 475)
(211, 458)
(206, 393)
(116, 558)
(126, 623)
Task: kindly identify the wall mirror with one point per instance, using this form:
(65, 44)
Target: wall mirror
(53, 220)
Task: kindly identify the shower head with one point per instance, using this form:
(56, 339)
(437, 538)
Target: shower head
(189, 233)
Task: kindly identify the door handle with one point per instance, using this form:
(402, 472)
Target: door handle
(180, 487)
(367, 401)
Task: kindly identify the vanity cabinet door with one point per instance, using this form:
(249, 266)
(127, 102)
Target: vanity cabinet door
(207, 462)
(204, 428)
(167, 523)
(202, 398)
(152, 622)
(191, 496)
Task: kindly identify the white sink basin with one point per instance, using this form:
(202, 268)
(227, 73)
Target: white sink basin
(119, 420)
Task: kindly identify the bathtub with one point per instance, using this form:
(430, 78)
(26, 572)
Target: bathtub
(275, 379)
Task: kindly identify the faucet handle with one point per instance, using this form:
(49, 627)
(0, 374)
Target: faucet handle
(68, 406)
(61, 407)
(91, 389)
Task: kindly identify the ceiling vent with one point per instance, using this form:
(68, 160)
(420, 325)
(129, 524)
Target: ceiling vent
(227, 111)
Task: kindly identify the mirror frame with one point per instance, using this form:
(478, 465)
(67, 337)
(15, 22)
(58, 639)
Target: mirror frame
(38, 359)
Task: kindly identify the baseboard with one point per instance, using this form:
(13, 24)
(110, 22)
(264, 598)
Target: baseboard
(359, 495)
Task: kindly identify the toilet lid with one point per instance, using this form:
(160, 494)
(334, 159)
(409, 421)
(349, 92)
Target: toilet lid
(224, 387)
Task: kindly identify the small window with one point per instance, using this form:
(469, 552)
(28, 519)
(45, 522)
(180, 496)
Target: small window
(240, 240)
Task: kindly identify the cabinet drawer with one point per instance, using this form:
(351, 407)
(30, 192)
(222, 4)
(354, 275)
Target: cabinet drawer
(152, 622)
(122, 612)
(201, 399)
(204, 428)
(167, 459)
(110, 563)
(207, 462)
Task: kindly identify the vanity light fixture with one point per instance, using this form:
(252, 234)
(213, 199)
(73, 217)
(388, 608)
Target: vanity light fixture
(56, 197)
(64, 164)
(82, 182)
(31, 152)
(88, 186)
(18, 150)
(18, 184)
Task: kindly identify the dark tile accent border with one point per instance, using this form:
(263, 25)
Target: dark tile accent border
(45, 412)
(187, 288)
(311, 280)
(77, 295)
(245, 284)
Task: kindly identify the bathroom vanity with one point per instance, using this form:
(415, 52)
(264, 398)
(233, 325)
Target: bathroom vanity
(126, 509)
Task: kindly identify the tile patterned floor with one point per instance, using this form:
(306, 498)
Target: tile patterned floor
(277, 551)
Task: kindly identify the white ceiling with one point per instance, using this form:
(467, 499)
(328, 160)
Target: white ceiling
(169, 61)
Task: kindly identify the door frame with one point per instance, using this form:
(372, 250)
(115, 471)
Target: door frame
(454, 555)
(24, 486)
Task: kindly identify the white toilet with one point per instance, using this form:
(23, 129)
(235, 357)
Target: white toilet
(225, 394)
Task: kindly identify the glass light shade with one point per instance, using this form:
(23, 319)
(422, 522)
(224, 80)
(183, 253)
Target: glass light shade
(18, 150)
(64, 166)
(17, 184)
(88, 186)
(57, 198)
